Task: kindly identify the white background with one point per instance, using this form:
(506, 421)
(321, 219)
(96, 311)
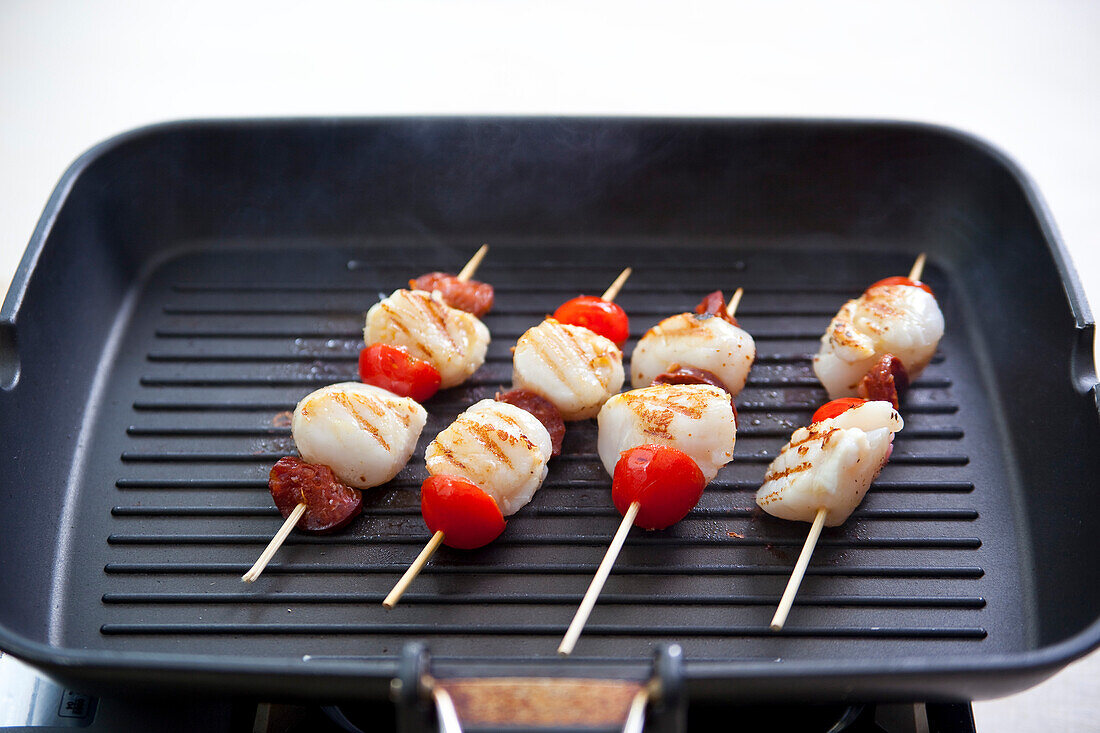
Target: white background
(1022, 75)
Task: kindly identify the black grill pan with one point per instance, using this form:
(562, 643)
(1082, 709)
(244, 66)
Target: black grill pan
(189, 283)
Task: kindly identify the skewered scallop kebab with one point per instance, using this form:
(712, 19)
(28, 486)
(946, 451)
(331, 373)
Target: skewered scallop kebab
(704, 347)
(878, 343)
(873, 346)
(490, 461)
(664, 443)
(362, 434)
(822, 474)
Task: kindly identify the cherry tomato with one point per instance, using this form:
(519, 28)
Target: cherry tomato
(467, 516)
(665, 481)
(392, 368)
(597, 315)
(834, 408)
(902, 280)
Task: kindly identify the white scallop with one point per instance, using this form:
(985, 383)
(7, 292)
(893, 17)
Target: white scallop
(891, 319)
(365, 434)
(501, 448)
(694, 418)
(571, 366)
(830, 464)
(709, 343)
(452, 340)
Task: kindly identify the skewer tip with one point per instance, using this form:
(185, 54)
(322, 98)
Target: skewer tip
(613, 290)
(471, 266)
(735, 300)
(918, 267)
(576, 626)
(418, 564)
(276, 542)
(800, 566)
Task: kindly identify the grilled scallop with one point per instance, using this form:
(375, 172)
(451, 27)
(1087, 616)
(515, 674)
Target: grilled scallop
(902, 320)
(571, 366)
(451, 340)
(500, 447)
(691, 340)
(363, 433)
(830, 464)
(696, 419)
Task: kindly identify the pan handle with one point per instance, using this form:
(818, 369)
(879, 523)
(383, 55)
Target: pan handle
(535, 703)
(539, 702)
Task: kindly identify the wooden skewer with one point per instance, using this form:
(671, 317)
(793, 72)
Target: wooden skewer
(613, 290)
(275, 544)
(918, 268)
(437, 539)
(581, 618)
(735, 300)
(795, 581)
(573, 633)
(292, 520)
(635, 716)
(785, 602)
(445, 711)
(414, 570)
(471, 266)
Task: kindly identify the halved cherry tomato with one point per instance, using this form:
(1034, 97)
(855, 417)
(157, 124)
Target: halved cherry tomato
(392, 368)
(467, 516)
(902, 280)
(665, 481)
(597, 315)
(834, 408)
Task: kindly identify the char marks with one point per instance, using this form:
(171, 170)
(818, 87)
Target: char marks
(366, 425)
(488, 436)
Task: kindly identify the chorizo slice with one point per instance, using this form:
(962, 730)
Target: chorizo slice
(887, 380)
(471, 296)
(543, 409)
(690, 375)
(714, 304)
(330, 504)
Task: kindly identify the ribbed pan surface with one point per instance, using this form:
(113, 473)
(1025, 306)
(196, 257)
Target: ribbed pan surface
(221, 343)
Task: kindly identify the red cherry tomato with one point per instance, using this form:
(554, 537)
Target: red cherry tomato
(665, 481)
(902, 280)
(392, 368)
(834, 408)
(597, 315)
(467, 516)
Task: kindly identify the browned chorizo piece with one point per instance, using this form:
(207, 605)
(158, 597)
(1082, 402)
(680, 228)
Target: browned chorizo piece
(541, 408)
(887, 380)
(329, 504)
(469, 295)
(714, 304)
(677, 374)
